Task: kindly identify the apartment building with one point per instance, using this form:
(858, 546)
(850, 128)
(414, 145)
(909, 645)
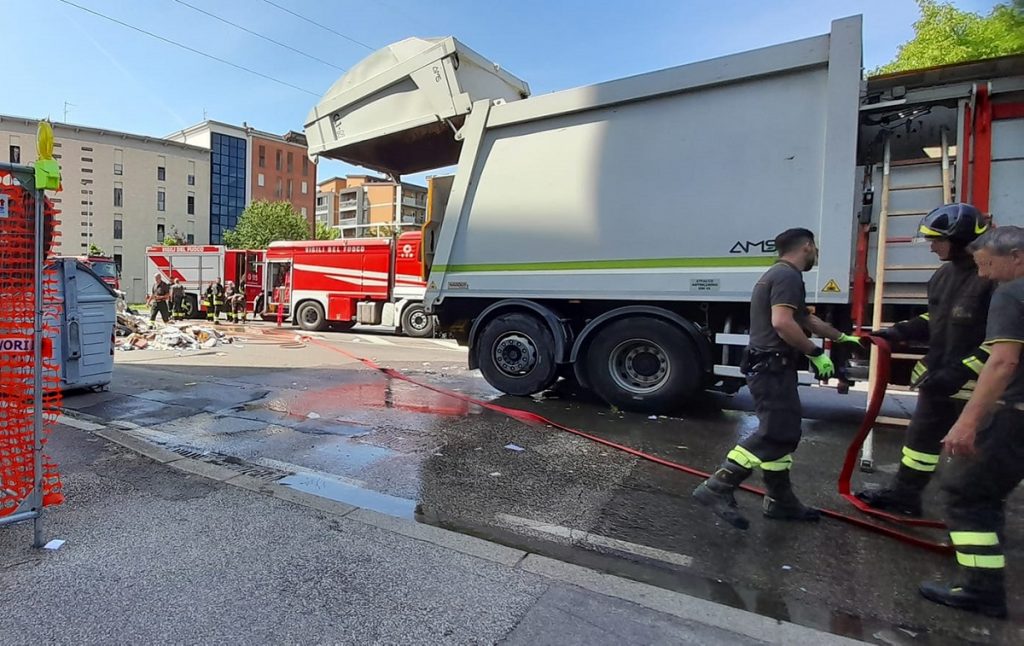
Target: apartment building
(247, 164)
(355, 203)
(121, 192)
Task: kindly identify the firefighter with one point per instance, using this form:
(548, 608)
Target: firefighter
(779, 323)
(214, 300)
(177, 300)
(234, 301)
(954, 329)
(158, 298)
(986, 443)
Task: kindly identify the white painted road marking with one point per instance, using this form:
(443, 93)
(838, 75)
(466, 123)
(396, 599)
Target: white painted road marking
(579, 537)
(374, 339)
(450, 344)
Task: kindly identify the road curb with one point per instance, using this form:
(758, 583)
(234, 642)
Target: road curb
(662, 600)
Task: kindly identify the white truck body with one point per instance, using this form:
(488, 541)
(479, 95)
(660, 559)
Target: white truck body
(656, 196)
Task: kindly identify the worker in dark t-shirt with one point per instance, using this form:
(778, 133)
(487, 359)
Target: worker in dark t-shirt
(158, 299)
(779, 325)
(986, 444)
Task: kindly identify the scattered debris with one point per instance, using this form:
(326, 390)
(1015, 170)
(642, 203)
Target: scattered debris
(514, 447)
(313, 415)
(55, 544)
(652, 417)
(494, 474)
(787, 567)
(139, 333)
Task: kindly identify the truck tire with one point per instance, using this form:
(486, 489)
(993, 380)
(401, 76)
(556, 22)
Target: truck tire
(516, 354)
(416, 322)
(643, 364)
(310, 316)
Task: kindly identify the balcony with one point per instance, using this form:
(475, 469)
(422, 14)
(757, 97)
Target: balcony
(348, 205)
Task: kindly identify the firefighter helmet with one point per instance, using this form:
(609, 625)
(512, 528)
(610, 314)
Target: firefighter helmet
(959, 223)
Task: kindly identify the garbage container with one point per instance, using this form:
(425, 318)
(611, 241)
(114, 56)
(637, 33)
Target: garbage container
(80, 321)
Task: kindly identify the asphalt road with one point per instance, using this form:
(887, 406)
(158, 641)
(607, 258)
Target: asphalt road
(336, 428)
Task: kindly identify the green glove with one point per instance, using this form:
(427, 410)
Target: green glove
(849, 338)
(823, 366)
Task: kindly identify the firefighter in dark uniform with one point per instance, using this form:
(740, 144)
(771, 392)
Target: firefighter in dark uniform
(954, 329)
(779, 324)
(213, 298)
(158, 297)
(177, 300)
(234, 301)
(986, 444)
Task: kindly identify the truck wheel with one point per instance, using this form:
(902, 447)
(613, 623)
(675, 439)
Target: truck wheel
(643, 364)
(310, 316)
(516, 354)
(190, 306)
(416, 322)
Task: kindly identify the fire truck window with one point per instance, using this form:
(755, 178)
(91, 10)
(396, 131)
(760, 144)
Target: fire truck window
(279, 271)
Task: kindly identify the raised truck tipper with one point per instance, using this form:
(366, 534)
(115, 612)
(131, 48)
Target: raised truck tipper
(614, 232)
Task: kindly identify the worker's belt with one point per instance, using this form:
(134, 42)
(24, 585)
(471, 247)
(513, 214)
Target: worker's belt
(760, 361)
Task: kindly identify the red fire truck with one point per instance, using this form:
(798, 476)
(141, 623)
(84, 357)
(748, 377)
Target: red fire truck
(339, 283)
(196, 266)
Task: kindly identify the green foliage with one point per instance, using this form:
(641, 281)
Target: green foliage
(174, 238)
(324, 232)
(945, 34)
(264, 222)
(96, 251)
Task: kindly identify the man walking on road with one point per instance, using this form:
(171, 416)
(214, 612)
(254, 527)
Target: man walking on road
(986, 444)
(779, 323)
(954, 329)
(158, 298)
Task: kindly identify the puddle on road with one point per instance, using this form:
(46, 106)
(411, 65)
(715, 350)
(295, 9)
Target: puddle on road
(351, 494)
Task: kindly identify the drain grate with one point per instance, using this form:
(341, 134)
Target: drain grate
(268, 474)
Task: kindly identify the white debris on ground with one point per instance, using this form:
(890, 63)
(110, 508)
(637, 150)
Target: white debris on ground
(139, 333)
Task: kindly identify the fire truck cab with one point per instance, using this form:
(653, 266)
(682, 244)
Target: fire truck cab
(339, 283)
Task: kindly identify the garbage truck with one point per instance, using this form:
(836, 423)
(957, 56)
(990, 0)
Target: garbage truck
(613, 233)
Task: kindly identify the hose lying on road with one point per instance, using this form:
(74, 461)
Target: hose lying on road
(874, 406)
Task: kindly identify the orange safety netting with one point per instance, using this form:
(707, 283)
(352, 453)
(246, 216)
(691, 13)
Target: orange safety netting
(17, 317)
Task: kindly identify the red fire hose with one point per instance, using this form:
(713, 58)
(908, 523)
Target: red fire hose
(874, 406)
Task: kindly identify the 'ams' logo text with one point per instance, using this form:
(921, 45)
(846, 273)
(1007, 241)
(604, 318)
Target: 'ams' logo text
(761, 246)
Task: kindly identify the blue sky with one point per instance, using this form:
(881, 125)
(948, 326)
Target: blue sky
(123, 80)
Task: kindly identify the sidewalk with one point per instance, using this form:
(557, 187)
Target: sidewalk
(157, 553)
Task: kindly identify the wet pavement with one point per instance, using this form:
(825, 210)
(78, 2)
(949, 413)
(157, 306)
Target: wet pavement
(341, 430)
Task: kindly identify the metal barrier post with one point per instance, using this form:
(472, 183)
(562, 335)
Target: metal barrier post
(37, 377)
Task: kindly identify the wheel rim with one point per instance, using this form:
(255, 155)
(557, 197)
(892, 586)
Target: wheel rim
(309, 315)
(418, 320)
(515, 354)
(639, 366)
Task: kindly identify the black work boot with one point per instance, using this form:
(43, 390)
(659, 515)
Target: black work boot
(781, 503)
(716, 493)
(903, 496)
(984, 593)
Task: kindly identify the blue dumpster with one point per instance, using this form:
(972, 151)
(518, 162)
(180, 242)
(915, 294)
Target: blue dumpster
(84, 314)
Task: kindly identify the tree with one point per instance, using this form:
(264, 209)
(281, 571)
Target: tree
(95, 250)
(944, 34)
(263, 222)
(324, 232)
(174, 238)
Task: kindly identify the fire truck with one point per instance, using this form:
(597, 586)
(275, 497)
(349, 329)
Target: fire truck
(197, 266)
(340, 283)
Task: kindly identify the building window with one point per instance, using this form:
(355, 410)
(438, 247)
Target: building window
(118, 161)
(87, 159)
(191, 173)
(259, 179)
(160, 233)
(305, 186)
(118, 196)
(86, 149)
(190, 238)
(277, 188)
(15, 154)
(86, 170)
(305, 166)
(161, 201)
(291, 165)
(263, 157)
(161, 173)
(191, 204)
(289, 185)
(117, 262)
(277, 160)
(118, 169)
(118, 229)
(303, 211)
